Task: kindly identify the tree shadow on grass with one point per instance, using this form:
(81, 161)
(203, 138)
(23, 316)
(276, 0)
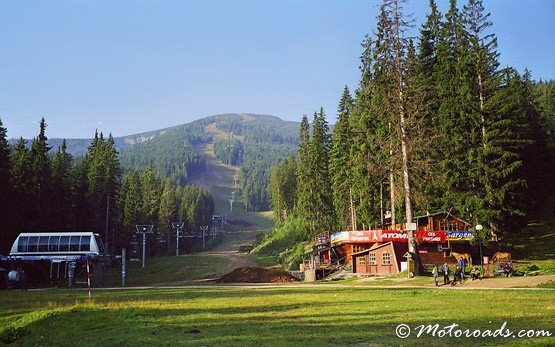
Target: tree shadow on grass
(220, 327)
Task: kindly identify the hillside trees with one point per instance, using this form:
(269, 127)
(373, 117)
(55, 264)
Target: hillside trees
(40, 178)
(74, 193)
(7, 195)
(230, 152)
(103, 180)
(283, 185)
(442, 123)
(61, 185)
(319, 183)
(21, 183)
(340, 173)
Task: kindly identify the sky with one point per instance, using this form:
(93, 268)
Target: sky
(129, 66)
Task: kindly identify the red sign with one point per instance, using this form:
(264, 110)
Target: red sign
(371, 236)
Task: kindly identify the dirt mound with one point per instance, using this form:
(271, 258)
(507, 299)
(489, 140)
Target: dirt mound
(258, 275)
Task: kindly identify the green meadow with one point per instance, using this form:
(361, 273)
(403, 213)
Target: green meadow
(298, 315)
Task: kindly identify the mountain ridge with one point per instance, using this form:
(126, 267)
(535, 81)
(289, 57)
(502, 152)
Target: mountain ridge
(78, 146)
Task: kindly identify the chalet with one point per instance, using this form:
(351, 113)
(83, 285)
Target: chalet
(380, 259)
(437, 235)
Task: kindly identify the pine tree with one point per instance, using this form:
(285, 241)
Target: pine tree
(303, 206)
(79, 188)
(150, 189)
(6, 193)
(340, 170)
(322, 214)
(367, 156)
(61, 201)
(456, 164)
(41, 187)
(425, 103)
(168, 207)
(131, 201)
(283, 185)
(22, 182)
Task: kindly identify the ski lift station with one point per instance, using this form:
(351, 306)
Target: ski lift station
(65, 254)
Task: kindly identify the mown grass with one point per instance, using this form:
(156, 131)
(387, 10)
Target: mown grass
(167, 270)
(308, 316)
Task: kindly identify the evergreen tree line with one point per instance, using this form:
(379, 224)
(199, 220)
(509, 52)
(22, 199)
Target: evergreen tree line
(42, 192)
(254, 175)
(263, 141)
(256, 143)
(173, 154)
(230, 152)
(435, 125)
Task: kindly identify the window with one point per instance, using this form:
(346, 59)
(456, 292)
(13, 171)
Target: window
(43, 244)
(357, 248)
(64, 243)
(386, 258)
(22, 244)
(361, 261)
(74, 243)
(372, 259)
(53, 243)
(100, 245)
(33, 244)
(85, 243)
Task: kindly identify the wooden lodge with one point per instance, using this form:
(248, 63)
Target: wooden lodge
(380, 251)
(380, 259)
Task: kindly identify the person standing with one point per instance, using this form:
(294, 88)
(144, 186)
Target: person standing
(464, 263)
(445, 269)
(24, 281)
(435, 273)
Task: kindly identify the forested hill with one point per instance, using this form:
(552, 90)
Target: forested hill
(253, 142)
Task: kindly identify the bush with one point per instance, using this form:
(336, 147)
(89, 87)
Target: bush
(10, 334)
(288, 241)
(284, 237)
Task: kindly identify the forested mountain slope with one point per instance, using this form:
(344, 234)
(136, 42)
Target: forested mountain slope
(253, 143)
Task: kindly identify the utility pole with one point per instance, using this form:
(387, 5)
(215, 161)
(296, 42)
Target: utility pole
(106, 243)
(178, 227)
(144, 229)
(203, 230)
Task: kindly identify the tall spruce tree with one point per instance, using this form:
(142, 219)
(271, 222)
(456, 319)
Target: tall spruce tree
(22, 182)
(340, 170)
(6, 193)
(41, 179)
(150, 189)
(457, 165)
(303, 206)
(283, 185)
(131, 204)
(367, 154)
(168, 207)
(322, 216)
(62, 199)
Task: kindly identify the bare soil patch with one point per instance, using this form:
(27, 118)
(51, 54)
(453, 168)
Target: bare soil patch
(258, 275)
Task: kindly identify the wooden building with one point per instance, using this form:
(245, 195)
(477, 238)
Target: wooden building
(437, 235)
(380, 259)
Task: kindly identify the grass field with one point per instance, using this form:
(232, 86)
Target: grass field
(245, 316)
(169, 270)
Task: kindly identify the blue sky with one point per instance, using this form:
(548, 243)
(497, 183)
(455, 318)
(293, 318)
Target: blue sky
(128, 66)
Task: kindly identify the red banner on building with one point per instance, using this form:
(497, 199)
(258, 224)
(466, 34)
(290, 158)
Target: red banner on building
(371, 236)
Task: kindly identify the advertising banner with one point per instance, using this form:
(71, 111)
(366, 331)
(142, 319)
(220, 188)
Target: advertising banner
(422, 236)
(460, 235)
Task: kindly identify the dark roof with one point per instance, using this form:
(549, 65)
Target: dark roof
(372, 248)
